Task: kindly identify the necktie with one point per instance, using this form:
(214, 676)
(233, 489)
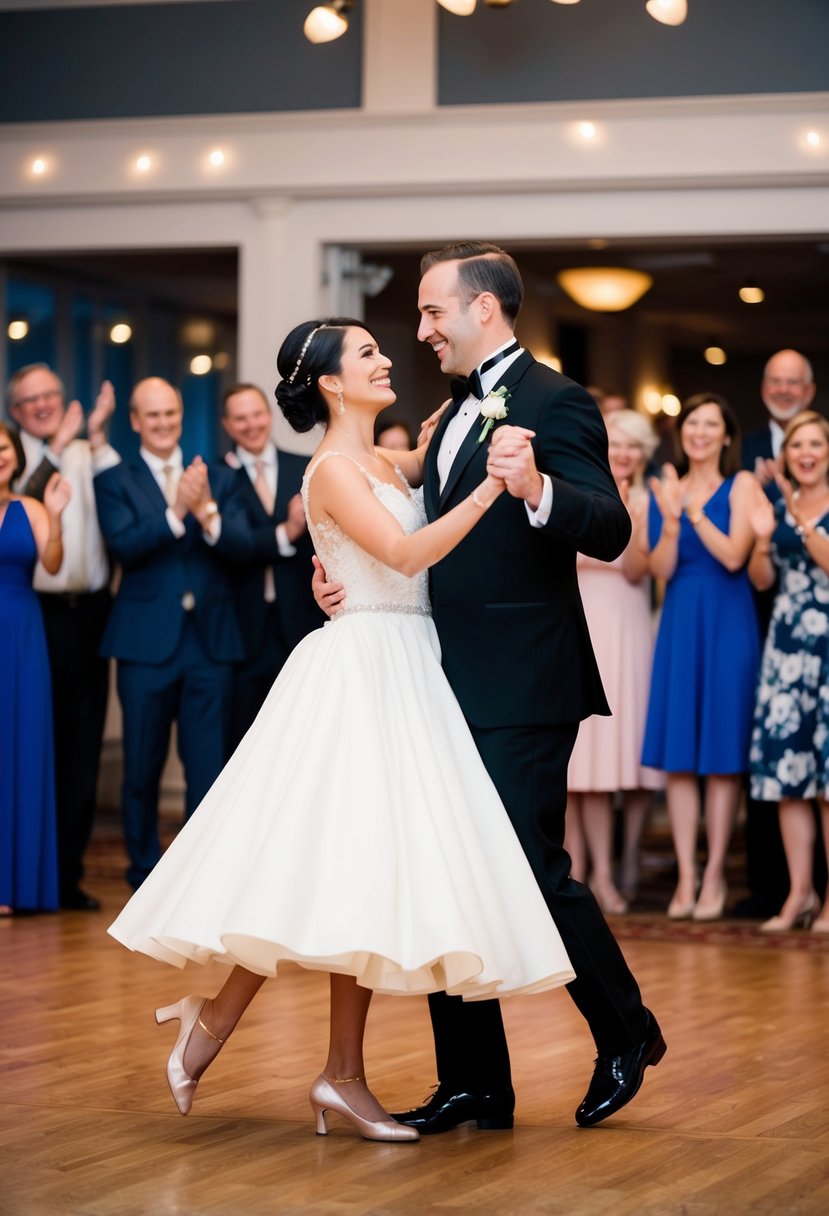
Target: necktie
(462, 387)
(260, 485)
(170, 473)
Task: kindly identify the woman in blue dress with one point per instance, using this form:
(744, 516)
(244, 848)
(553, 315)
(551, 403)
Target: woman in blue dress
(790, 740)
(707, 648)
(28, 850)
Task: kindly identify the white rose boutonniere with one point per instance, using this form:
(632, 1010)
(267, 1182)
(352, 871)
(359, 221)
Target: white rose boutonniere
(493, 409)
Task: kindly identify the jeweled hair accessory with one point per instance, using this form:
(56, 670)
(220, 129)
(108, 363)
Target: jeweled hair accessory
(303, 352)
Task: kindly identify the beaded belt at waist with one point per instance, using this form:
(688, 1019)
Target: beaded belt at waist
(406, 609)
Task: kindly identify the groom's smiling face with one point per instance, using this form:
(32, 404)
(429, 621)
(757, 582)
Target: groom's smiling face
(452, 329)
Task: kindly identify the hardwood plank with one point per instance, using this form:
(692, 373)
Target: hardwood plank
(734, 1119)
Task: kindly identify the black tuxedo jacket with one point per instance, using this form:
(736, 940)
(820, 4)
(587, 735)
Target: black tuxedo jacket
(506, 602)
(296, 611)
(757, 446)
(158, 569)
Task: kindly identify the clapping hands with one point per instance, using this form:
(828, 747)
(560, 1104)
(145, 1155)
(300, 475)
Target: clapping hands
(56, 495)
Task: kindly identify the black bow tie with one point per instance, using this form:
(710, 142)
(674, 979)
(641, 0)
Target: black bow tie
(462, 387)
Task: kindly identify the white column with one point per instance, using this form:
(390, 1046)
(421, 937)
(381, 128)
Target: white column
(399, 55)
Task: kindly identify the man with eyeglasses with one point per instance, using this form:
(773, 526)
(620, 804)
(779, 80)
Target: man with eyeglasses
(75, 601)
(787, 387)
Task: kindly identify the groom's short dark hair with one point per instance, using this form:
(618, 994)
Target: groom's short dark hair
(483, 267)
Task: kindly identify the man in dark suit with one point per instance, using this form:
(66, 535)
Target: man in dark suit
(517, 653)
(273, 599)
(787, 388)
(173, 626)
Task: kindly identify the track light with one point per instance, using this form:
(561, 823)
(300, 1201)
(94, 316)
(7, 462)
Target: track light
(669, 12)
(327, 21)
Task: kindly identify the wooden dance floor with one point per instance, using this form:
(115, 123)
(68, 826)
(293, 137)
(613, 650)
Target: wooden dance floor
(735, 1120)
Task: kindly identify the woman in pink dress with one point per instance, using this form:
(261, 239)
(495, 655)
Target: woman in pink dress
(617, 604)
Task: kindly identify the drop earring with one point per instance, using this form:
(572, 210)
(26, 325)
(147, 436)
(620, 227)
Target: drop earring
(340, 399)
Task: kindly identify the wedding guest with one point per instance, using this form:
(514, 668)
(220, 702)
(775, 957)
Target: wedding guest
(75, 600)
(355, 829)
(271, 589)
(394, 435)
(786, 389)
(707, 649)
(173, 626)
(790, 741)
(30, 531)
(606, 756)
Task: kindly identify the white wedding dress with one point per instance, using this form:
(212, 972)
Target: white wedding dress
(355, 828)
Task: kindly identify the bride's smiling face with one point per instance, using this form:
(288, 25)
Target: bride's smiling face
(364, 371)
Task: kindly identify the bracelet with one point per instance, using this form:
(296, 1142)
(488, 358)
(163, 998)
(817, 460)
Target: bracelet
(482, 506)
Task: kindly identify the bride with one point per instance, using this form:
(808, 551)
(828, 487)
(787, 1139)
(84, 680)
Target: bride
(355, 829)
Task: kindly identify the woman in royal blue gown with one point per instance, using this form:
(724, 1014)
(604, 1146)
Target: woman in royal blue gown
(707, 649)
(29, 531)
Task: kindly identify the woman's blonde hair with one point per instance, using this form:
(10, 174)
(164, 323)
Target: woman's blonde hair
(804, 418)
(635, 427)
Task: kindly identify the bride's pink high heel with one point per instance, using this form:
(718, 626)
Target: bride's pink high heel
(324, 1097)
(188, 1011)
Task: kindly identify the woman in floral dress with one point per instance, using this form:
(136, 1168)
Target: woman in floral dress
(790, 739)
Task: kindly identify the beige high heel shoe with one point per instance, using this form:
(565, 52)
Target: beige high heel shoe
(188, 1011)
(324, 1097)
(712, 911)
(782, 924)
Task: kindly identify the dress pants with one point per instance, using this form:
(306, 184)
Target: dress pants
(253, 679)
(74, 625)
(528, 766)
(193, 691)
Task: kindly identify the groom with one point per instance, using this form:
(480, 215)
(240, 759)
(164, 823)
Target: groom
(517, 653)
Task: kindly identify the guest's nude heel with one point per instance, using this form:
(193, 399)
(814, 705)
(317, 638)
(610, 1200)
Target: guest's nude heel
(188, 1011)
(324, 1098)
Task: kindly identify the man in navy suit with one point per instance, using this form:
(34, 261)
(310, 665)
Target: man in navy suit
(272, 591)
(787, 388)
(173, 626)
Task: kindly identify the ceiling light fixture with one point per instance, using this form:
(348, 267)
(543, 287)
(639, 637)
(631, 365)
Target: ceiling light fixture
(750, 293)
(326, 22)
(604, 288)
(715, 355)
(668, 12)
(120, 333)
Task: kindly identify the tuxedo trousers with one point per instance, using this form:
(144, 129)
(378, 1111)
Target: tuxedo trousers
(253, 678)
(528, 766)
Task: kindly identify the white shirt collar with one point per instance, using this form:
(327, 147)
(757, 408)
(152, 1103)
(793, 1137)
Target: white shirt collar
(157, 464)
(491, 377)
(248, 459)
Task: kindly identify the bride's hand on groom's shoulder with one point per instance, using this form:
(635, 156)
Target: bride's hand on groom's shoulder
(329, 597)
(427, 427)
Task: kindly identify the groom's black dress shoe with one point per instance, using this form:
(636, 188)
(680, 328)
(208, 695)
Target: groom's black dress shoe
(76, 900)
(445, 1110)
(617, 1079)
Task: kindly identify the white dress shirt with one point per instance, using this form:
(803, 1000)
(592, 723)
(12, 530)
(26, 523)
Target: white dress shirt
(271, 469)
(470, 411)
(777, 433)
(85, 566)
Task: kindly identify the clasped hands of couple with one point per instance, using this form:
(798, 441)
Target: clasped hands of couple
(510, 458)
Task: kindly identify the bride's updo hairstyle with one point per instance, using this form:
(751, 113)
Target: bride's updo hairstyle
(311, 350)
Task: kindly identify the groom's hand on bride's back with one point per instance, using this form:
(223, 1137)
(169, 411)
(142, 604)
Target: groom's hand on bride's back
(330, 597)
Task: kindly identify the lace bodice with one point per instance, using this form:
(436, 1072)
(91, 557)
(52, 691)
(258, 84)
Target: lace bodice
(369, 585)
